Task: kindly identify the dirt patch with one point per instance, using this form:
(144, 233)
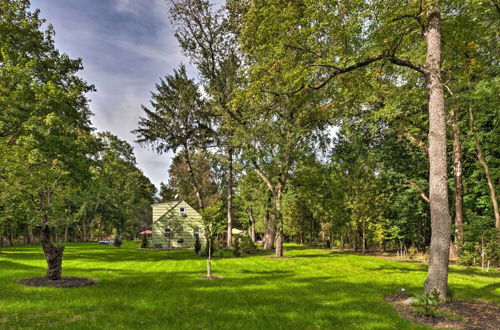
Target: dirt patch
(213, 277)
(456, 314)
(64, 282)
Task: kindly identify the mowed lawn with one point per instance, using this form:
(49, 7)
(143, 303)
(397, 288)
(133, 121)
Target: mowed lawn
(309, 289)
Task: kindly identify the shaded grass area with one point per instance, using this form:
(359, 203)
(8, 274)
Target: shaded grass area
(310, 289)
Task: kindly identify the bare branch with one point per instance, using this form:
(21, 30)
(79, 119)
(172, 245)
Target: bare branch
(422, 192)
(348, 69)
(263, 176)
(408, 64)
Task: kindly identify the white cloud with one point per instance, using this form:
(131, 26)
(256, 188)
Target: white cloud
(126, 46)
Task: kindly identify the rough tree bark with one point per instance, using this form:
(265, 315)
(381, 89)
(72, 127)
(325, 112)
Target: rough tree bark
(437, 277)
(486, 170)
(268, 241)
(457, 176)
(31, 238)
(230, 197)
(279, 223)
(66, 230)
(84, 231)
(53, 254)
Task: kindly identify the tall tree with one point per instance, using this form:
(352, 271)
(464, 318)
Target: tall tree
(206, 36)
(44, 123)
(179, 178)
(316, 42)
(176, 121)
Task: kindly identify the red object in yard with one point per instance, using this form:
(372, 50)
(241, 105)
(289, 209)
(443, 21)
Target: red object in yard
(146, 232)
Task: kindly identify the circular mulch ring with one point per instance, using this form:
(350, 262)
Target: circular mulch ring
(460, 314)
(213, 277)
(64, 282)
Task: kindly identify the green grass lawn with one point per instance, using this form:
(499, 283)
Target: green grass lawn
(310, 289)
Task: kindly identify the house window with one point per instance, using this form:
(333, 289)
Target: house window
(196, 235)
(182, 212)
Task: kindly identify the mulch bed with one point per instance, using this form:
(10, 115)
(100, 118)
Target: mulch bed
(459, 314)
(64, 282)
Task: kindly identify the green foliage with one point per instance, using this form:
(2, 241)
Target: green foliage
(145, 241)
(214, 219)
(176, 118)
(427, 304)
(203, 173)
(117, 241)
(197, 245)
(236, 246)
(481, 244)
(247, 246)
(412, 251)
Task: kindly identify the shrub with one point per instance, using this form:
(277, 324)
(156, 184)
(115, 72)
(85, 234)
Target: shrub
(412, 252)
(197, 245)
(427, 304)
(328, 244)
(236, 246)
(118, 241)
(247, 246)
(145, 242)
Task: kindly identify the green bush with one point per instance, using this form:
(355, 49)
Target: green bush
(145, 242)
(197, 245)
(412, 252)
(118, 241)
(247, 246)
(478, 239)
(427, 304)
(236, 246)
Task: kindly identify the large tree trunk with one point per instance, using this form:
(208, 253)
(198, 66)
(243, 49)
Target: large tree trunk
(363, 238)
(230, 197)
(11, 236)
(279, 243)
(279, 224)
(66, 229)
(192, 179)
(53, 254)
(437, 277)
(486, 169)
(252, 224)
(31, 238)
(270, 223)
(457, 176)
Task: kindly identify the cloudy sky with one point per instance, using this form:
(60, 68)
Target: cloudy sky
(126, 46)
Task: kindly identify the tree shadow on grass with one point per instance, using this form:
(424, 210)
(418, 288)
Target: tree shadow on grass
(265, 297)
(7, 266)
(181, 300)
(281, 272)
(318, 255)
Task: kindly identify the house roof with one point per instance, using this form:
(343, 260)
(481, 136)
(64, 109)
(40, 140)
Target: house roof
(170, 206)
(173, 202)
